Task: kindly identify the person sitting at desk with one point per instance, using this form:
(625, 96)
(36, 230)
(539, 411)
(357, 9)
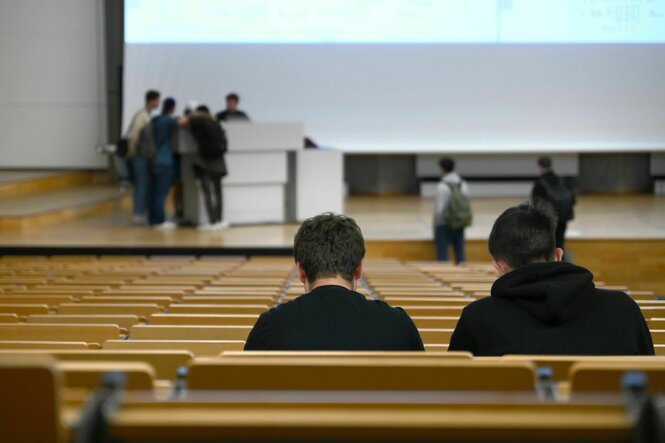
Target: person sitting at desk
(332, 316)
(541, 305)
(232, 113)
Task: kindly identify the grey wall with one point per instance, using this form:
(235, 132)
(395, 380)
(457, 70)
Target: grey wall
(51, 84)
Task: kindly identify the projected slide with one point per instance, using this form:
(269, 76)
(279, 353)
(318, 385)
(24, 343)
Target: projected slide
(414, 75)
(395, 21)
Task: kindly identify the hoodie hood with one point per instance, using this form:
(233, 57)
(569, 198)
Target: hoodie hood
(552, 292)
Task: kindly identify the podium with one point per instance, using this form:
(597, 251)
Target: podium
(271, 178)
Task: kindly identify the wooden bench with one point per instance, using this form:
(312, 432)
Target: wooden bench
(122, 321)
(376, 417)
(202, 319)
(606, 376)
(138, 309)
(561, 364)
(162, 332)
(46, 345)
(127, 299)
(9, 318)
(22, 309)
(59, 332)
(340, 373)
(50, 300)
(229, 300)
(165, 363)
(30, 408)
(435, 322)
(88, 374)
(230, 308)
(435, 336)
(199, 348)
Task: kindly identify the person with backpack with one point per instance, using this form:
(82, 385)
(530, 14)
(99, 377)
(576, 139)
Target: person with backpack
(550, 188)
(452, 212)
(209, 164)
(159, 154)
(137, 164)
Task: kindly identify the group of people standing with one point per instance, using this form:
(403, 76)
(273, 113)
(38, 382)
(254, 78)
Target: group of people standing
(155, 166)
(452, 210)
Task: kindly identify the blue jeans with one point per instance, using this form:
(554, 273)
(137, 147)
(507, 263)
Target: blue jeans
(443, 237)
(161, 177)
(140, 179)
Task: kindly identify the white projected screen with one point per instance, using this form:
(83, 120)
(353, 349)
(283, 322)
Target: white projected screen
(415, 75)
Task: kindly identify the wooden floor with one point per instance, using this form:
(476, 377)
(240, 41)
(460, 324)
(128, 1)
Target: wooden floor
(621, 239)
(381, 219)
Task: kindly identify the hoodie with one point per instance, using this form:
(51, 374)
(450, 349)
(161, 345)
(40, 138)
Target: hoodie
(552, 308)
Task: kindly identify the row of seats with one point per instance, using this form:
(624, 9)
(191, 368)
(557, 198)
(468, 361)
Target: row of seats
(176, 328)
(227, 391)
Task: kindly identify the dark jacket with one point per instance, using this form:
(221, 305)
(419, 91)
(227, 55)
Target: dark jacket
(210, 138)
(228, 116)
(333, 318)
(552, 308)
(539, 192)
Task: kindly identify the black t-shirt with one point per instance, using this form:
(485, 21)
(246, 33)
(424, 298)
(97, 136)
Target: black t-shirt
(228, 116)
(333, 318)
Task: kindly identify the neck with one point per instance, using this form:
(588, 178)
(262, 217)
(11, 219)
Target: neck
(334, 281)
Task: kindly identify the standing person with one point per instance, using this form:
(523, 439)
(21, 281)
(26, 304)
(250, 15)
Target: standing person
(209, 164)
(161, 166)
(551, 189)
(452, 212)
(232, 113)
(137, 164)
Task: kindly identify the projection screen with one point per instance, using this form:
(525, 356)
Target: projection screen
(415, 75)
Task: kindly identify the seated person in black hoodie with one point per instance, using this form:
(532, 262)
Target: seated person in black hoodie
(541, 305)
(332, 316)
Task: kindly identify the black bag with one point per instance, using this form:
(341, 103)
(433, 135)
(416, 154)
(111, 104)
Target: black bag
(561, 198)
(209, 137)
(122, 147)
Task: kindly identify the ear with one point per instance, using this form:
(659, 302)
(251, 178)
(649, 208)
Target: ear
(359, 270)
(301, 273)
(558, 254)
(501, 267)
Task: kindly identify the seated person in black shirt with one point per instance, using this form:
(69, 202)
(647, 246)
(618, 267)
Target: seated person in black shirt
(232, 113)
(332, 316)
(541, 305)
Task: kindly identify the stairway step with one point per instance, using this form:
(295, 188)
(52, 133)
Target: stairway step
(56, 206)
(22, 182)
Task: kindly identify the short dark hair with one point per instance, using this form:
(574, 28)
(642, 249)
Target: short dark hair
(151, 95)
(203, 108)
(545, 162)
(168, 105)
(524, 234)
(233, 96)
(447, 164)
(329, 245)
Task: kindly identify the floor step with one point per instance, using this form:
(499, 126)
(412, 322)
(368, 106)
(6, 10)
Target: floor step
(22, 182)
(20, 212)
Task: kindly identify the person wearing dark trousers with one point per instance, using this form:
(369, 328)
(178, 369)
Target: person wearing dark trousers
(209, 164)
(444, 234)
(550, 188)
(161, 165)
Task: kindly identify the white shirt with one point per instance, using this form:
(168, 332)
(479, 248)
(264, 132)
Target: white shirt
(443, 196)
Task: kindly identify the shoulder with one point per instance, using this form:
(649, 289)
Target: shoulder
(618, 299)
(390, 313)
